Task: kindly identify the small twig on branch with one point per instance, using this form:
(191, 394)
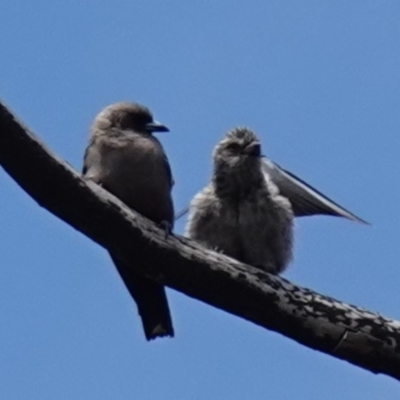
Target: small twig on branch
(344, 331)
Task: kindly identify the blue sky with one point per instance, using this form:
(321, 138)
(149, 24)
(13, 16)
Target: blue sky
(317, 80)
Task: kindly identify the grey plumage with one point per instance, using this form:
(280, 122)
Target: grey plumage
(126, 159)
(241, 212)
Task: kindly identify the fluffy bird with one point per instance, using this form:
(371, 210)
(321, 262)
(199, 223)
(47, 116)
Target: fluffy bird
(241, 212)
(126, 159)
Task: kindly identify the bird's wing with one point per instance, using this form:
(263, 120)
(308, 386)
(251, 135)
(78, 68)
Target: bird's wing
(305, 200)
(91, 163)
(85, 161)
(168, 169)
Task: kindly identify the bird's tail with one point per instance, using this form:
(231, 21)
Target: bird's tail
(151, 300)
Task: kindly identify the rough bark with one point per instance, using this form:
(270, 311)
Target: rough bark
(322, 323)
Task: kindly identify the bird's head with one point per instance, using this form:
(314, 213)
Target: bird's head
(128, 116)
(237, 162)
(239, 147)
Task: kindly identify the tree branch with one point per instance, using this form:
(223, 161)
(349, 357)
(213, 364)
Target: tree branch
(322, 323)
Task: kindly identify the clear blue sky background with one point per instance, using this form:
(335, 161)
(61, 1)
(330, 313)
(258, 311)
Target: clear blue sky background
(318, 80)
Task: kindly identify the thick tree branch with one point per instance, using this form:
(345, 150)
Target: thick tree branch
(319, 322)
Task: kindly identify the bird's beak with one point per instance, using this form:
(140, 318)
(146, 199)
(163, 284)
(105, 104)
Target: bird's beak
(156, 126)
(253, 149)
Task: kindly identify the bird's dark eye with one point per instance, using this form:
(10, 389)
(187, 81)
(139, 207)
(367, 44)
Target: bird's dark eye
(233, 146)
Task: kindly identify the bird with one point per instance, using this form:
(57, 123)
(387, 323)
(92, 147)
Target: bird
(126, 159)
(241, 212)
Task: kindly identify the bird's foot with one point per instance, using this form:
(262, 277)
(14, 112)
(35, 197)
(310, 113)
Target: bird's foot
(167, 228)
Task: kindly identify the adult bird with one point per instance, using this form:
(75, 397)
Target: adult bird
(126, 159)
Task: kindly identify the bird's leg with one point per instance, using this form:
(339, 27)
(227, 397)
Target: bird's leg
(167, 227)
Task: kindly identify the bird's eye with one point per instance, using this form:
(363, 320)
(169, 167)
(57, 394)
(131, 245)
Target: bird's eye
(233, 146)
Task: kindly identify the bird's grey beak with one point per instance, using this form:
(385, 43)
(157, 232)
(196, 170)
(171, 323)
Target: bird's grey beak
(156, 126)
(253, 149)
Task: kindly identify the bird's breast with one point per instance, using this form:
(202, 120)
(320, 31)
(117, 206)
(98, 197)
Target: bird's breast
(139, 176)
